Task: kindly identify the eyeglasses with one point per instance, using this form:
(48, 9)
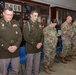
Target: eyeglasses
(35, 15)
(9, 14)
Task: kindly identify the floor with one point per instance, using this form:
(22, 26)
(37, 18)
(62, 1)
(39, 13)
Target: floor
(61, 69)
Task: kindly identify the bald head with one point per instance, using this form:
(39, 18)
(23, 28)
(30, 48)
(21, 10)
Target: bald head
(69, 19)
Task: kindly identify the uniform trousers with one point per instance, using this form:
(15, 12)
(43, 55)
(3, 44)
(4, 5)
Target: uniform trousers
(33, 62)
(15, 63)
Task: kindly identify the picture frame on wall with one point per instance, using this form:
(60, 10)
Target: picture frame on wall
(43, 20)
(16, 7)
(19, 8)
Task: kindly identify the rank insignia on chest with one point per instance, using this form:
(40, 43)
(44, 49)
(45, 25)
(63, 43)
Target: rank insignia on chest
(3, 25)
(32, 26)
(16, 32)
(40, 26)
(14, 25)
(24, 25)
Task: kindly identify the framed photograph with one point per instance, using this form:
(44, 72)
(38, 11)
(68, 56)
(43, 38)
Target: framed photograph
(11, 5)
(19, 8)
(7, 4)
(15, 7)
(43, 20)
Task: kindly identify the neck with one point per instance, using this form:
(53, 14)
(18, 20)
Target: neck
(6, 20)
(33, 20)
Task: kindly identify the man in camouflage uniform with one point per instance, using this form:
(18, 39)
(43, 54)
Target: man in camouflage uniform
(50, 42)
(10, 39)
(67, 34)
(74, 40)
(33, 35)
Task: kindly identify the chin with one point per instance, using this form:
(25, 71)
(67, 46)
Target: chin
(9, 20)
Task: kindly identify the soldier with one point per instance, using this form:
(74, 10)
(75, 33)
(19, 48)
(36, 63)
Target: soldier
(74, 40)
(33, 35)
(10, 39)
(50, 42)
(67, 34)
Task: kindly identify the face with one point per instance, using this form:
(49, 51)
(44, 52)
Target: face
(34, 16)
(69, 19)
(8, 15)
(53, 24)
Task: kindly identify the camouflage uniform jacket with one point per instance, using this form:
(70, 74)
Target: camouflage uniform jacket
(74, 37)
(50, 37)
(66, 30)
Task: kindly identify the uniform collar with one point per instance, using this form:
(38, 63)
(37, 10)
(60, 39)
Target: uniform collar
(5, 20)
(32, 21)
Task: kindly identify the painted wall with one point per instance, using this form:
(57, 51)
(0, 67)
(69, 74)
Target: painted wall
(70, 4)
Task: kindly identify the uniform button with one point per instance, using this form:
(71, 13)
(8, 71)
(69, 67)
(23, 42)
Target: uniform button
(32, 42)
(12, 41)
(1, 44)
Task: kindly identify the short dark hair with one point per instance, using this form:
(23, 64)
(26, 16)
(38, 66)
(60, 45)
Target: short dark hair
(54, 21)
(33, 11)
(8, 8)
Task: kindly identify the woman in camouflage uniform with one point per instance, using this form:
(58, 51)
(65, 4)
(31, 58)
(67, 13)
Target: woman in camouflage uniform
(50, 42)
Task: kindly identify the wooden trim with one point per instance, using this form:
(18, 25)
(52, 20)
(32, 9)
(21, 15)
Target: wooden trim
(34, 2)
(63, 8)
(10, 1)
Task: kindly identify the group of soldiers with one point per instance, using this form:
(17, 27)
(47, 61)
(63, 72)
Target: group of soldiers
(68, 37)
(68, 40)
(35, 37)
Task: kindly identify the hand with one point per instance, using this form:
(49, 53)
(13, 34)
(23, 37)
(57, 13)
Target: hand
(12, 49)
(45, 33)
(38, 46)
(53, 46)
(72, 35)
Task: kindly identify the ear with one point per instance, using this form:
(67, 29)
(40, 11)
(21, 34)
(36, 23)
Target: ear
(30, 15)
(3, 13)
(50, 22)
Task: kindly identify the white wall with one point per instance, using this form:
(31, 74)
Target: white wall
(70, 4)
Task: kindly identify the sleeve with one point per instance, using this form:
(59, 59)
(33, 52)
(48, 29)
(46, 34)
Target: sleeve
(64, 30)
(74, 28)
(4, 44)
(27, 37)
(46, 35)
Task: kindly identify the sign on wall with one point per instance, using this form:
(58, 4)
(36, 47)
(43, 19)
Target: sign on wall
(16, 7)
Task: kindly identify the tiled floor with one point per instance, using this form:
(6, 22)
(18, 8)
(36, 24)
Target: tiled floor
(61, 69)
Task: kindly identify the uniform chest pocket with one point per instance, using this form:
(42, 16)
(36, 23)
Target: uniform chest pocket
(4, 30)
(33, 30)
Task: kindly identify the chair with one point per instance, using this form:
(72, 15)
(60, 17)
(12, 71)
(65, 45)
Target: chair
(9, 67)
(42, 54)
(23, 60)
(59, 49)
(23, 55)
